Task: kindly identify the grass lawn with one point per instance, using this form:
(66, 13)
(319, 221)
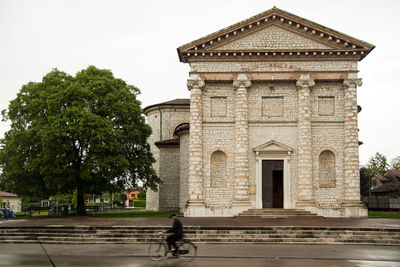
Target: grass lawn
(384, 214)
(133, 213)
(35, 214)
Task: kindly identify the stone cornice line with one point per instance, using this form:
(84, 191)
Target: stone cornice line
(294, 30)
(242, 81)
(195, 82)
(352, 82)
(278, 54)
(305, 81)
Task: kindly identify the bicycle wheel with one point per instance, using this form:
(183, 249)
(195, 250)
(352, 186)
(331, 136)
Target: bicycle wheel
(187, 251)
(157, 251)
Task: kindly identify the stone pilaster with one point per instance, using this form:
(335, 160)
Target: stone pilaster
(195, 83)
(351, 202)
(304, 143)
(241, 196)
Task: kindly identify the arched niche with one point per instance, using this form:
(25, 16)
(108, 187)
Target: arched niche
(218, 170)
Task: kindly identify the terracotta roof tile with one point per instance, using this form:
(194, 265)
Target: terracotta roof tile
(168, 143)
(175, 102)
(388, 187)
(395, 172)
(178, 101)
(381, 177)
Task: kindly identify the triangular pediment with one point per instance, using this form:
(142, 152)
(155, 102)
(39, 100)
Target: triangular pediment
(273, 147)
(272, 37)
(275, 34)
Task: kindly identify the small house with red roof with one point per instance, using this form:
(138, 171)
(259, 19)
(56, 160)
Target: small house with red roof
(131, 195)
(386, 186)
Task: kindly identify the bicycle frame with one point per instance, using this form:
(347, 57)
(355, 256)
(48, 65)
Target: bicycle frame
(158, 249)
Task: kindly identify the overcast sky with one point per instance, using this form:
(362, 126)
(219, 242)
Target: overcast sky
(137, 40)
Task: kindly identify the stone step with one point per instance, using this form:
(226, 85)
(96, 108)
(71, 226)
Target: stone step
(281, 235)
(271, 216)
(212, 232)
(213, 235)
(205, 237)
(213, 240)
(210, 242)
(188, 232)
(276, 213)
(287, 235)
(372, 240)
(277, 210)
(197, 229)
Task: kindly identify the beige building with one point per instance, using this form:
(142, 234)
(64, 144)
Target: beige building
(10, 200)
(271, 122)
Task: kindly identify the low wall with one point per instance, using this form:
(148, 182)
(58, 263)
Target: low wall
(382, 203)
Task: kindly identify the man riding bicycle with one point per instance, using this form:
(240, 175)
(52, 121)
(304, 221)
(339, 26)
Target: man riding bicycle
(177, 233)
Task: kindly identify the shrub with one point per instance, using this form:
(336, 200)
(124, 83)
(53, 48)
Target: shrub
(142, 195)
(32, 204)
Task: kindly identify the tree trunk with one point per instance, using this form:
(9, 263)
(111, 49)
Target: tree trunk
(80, 203)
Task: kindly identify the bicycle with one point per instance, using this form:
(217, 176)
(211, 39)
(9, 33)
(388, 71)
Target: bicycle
(187, 251)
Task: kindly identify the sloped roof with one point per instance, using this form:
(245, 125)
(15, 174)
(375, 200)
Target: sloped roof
(7, 194)
(395, 172)
(178, 101)
(332, 44)
(168, 143)
(381, 177)
(388, 187)
(175, 102)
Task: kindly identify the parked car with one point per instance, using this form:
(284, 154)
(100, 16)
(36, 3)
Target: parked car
(8, 213)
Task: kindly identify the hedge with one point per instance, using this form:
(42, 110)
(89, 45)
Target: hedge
(139, 203)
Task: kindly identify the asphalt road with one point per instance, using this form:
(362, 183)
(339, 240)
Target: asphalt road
(208, 255)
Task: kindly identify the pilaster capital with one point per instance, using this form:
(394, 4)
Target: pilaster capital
(242, 81)
(305, 81)
(352, 82)
(195, 81)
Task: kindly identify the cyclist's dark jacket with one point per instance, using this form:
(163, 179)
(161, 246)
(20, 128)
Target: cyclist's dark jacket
(177, 228)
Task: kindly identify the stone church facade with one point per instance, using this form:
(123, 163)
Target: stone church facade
(271, 122)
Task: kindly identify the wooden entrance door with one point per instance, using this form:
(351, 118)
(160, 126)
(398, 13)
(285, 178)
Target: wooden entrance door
(272, 183)
(277, 177)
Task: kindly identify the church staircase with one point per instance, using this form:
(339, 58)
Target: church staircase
(200, 234)
(277, 213)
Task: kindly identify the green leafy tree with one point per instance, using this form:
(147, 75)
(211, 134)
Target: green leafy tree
(142, 195)
(377, 165)
(122, 197)
(395, 163)
(63, 198)
(85, 132)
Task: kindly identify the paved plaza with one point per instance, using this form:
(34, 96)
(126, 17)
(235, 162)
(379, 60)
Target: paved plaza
(208, 255)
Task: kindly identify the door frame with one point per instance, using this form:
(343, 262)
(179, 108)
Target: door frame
(286, 179)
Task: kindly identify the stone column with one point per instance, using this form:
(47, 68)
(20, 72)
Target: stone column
(304, 143)
(241, 196)
(351, 201)
(195, 83)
